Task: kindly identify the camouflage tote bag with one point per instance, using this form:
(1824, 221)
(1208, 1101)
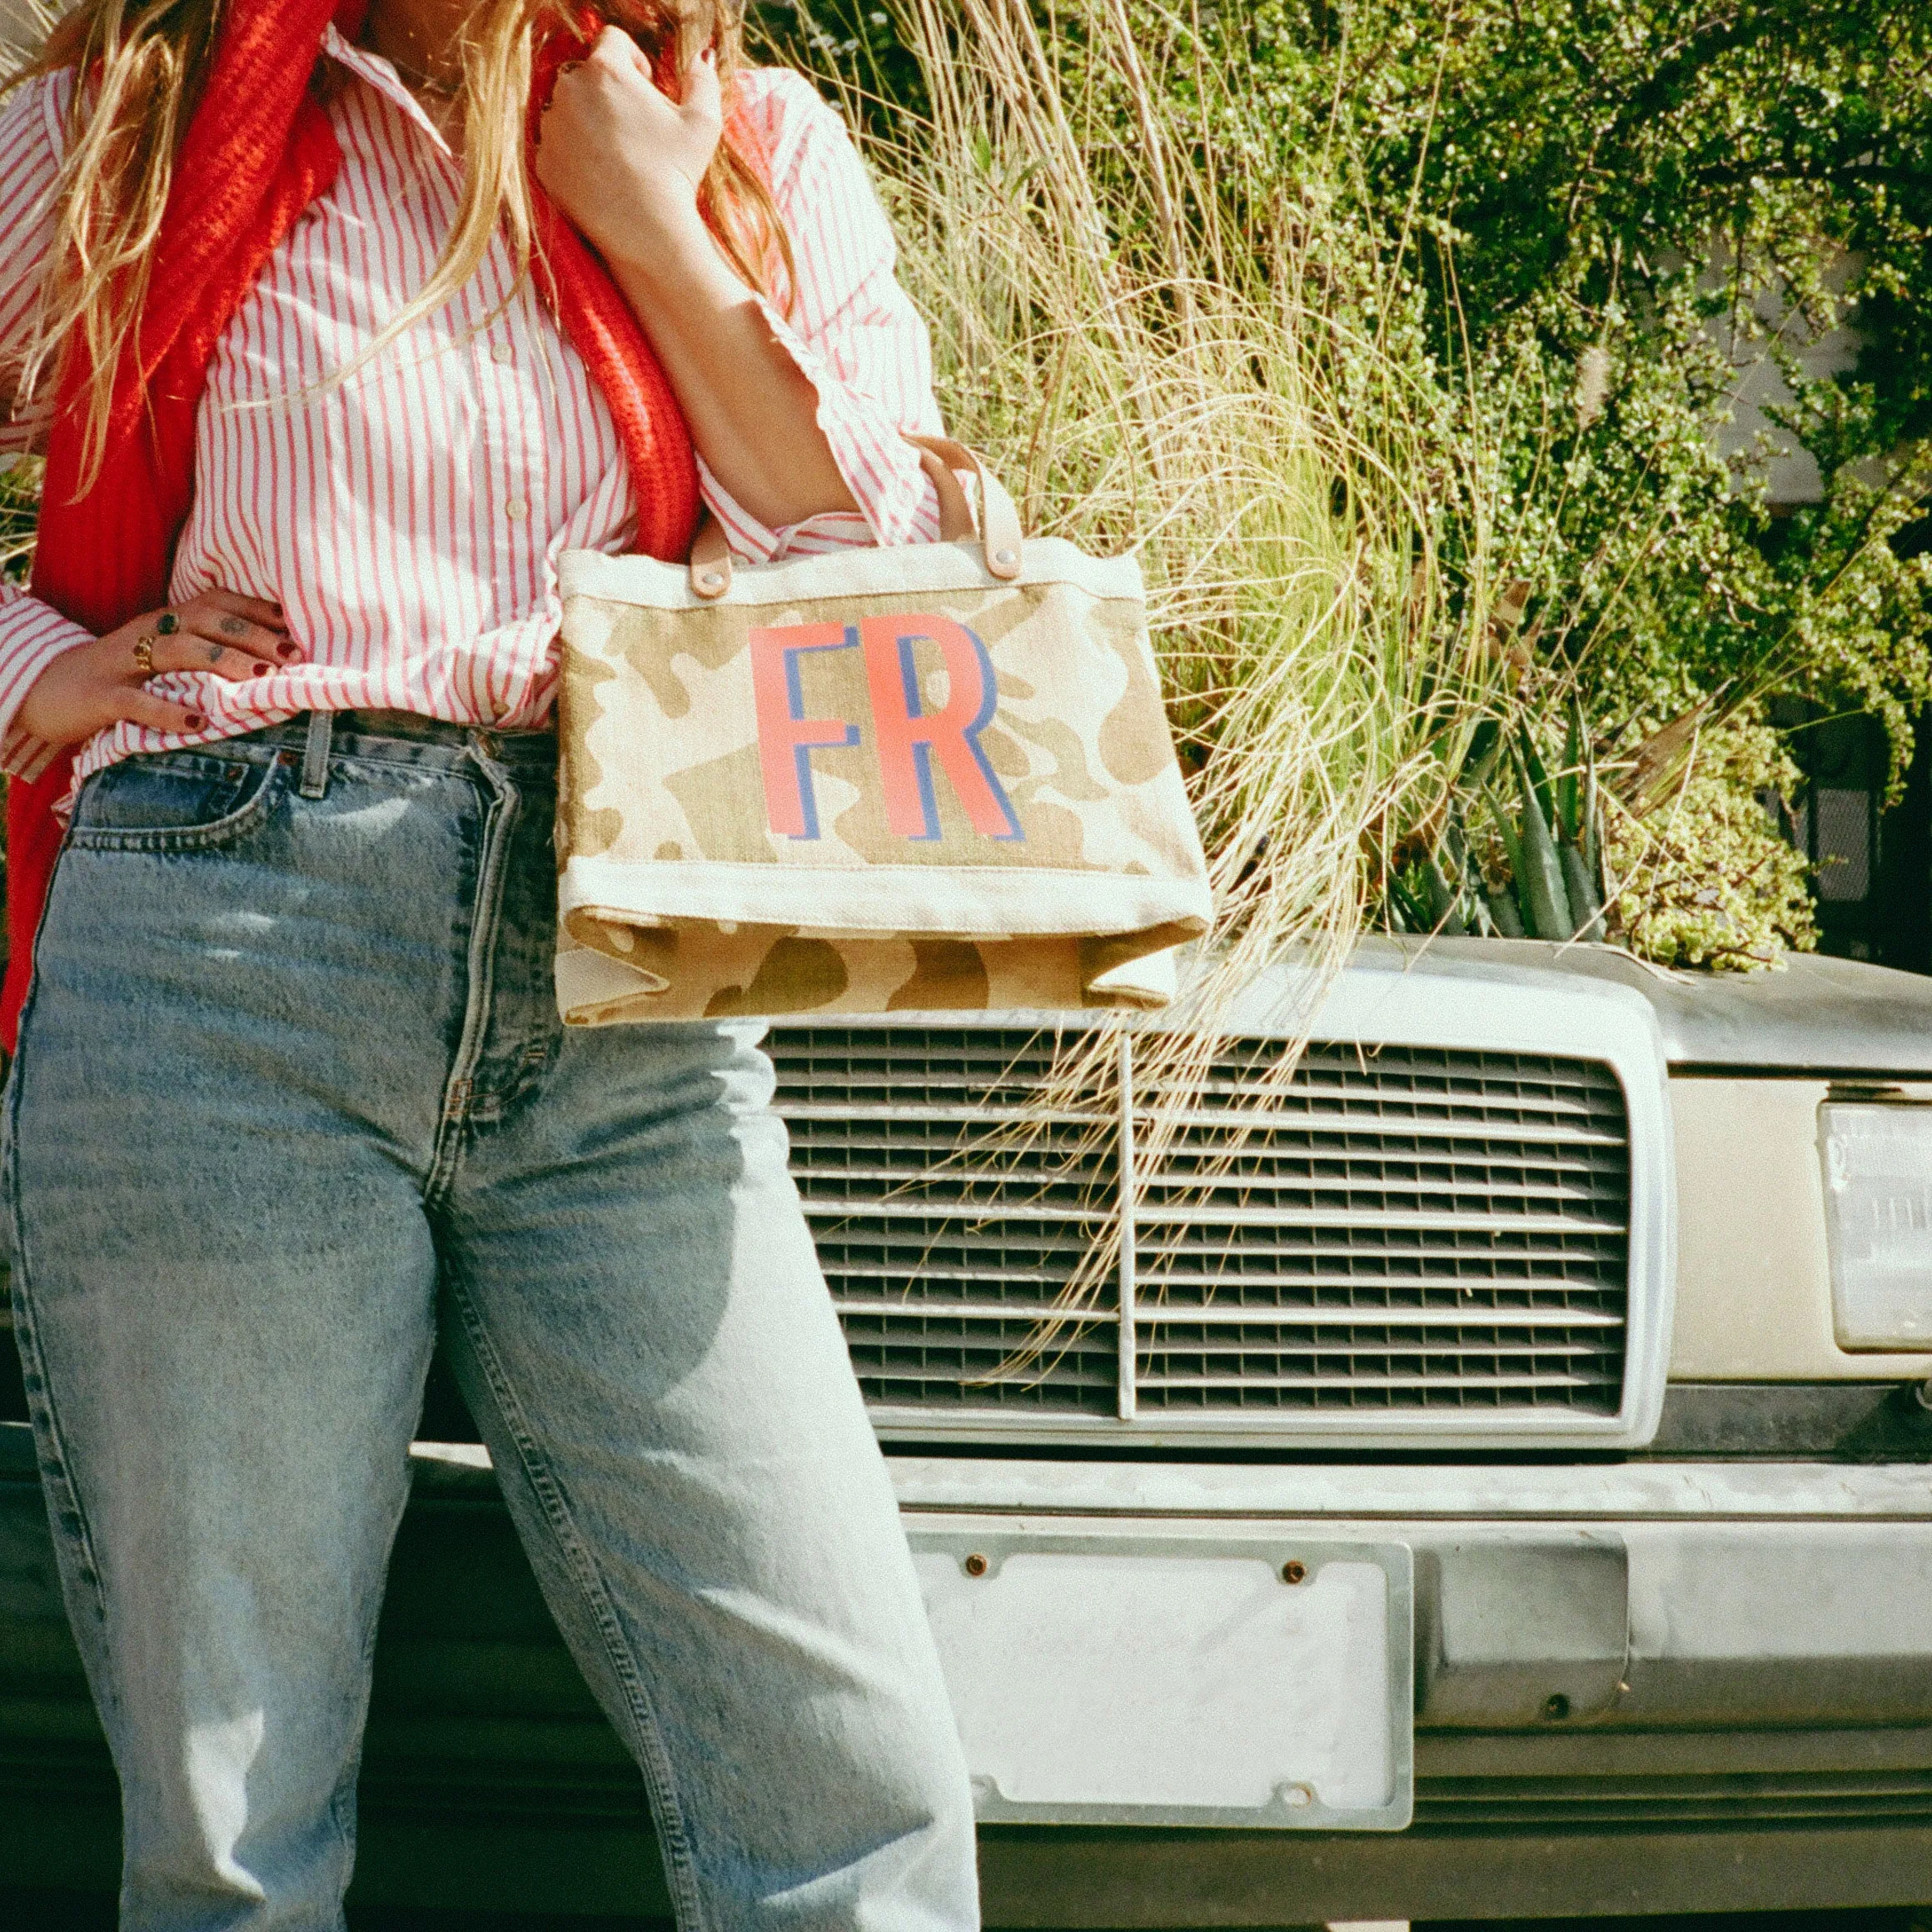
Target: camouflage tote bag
(931, 777)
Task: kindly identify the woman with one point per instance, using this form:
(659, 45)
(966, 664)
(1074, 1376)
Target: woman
(290, 1093)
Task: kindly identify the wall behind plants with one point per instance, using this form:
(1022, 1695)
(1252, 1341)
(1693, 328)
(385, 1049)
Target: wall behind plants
(1577, 213)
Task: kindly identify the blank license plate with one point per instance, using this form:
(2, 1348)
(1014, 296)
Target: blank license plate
(1182, 1680)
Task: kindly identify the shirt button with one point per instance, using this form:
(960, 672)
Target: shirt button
(517, 510)
(503, 353)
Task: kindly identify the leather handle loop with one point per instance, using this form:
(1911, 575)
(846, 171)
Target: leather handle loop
(999, 534)
(710, 565)
(955, 512)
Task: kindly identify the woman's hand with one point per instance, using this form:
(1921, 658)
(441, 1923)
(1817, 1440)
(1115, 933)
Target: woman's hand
(622, 161)
(96, 685)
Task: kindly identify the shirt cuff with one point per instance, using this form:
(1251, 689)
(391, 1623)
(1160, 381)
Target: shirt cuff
(33, 634)
(897, 501)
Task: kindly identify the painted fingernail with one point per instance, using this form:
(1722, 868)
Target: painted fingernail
(287, 650)
(196, 722)
(261, 670)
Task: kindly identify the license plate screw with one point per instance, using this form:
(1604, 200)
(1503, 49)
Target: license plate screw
(975, 1565)
(1293, 1572)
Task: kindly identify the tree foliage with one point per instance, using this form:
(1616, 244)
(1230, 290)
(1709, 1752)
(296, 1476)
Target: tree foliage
(1579, 217)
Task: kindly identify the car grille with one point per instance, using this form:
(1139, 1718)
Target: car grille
(1392, 1229)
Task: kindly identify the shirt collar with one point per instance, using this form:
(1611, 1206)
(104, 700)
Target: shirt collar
(380, 74)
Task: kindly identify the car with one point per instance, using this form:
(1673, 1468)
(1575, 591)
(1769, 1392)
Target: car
(1491, 1477)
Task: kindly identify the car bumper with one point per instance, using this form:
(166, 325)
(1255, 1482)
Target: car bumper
(1640, 1687)
(1609, 1597)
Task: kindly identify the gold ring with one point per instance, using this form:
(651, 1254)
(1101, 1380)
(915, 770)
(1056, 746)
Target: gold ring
(144, 656)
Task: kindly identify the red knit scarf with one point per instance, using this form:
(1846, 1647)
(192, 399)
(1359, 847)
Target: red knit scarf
(259, 150)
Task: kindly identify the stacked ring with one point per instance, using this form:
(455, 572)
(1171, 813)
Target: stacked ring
(144, 656)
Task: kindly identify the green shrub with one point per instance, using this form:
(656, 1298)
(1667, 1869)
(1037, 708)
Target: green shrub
(1704, 879)
(1552, 216)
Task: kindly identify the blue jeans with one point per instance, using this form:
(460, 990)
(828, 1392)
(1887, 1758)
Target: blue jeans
(293, 1095)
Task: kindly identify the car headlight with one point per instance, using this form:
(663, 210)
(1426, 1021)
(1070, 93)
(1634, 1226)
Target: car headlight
(1877, 1158)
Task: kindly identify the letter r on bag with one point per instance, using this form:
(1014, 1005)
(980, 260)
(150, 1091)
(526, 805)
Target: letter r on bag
(786, 737)
(910, 739)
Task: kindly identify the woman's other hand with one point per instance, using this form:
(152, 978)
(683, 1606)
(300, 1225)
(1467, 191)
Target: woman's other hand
(618, 158)
(104, 683)
(624, 163)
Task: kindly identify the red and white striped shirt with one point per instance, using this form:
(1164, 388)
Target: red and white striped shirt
(409, 519)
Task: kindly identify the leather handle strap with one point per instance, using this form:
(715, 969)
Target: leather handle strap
(710, 568)
(943, 459)
(955, 512)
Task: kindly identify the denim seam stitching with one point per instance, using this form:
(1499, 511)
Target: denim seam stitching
(342, 1808)
(57, 1472)
(498, 824)
(660, 1783)
(170, 838)
(57, 1469)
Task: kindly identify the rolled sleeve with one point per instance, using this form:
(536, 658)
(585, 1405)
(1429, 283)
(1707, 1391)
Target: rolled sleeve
(33, 634)
(848, 327)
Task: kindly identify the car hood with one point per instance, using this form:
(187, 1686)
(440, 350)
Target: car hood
(1808, 1015)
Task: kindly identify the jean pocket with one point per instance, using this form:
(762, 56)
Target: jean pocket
(174, 801)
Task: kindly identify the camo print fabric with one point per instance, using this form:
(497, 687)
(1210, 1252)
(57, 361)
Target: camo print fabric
(874, 782)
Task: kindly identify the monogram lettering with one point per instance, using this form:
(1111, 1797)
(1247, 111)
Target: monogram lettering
(908, 740)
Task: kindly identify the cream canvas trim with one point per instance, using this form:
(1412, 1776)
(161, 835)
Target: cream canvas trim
(1150, 981)
(589, 982)
(968, 903)
(587, 979)
(908, 569)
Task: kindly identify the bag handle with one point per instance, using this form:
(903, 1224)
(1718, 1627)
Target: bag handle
(943, 459)
(710, 568)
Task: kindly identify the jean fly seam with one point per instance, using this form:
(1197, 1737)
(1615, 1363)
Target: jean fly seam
(499, 822)
(653, 1760)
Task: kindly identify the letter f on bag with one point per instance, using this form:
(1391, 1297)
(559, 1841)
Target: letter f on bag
(786, 737)
(911, 738)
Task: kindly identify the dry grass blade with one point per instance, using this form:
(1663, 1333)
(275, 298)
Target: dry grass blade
(1657, 767)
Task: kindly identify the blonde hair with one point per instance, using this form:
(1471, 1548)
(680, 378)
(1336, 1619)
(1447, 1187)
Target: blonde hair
(141, 69)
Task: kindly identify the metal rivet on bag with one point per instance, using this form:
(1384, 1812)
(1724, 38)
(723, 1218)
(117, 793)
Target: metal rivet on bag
(1002, 556)
(1294, 1572)
(709, 582)
(975, 1565)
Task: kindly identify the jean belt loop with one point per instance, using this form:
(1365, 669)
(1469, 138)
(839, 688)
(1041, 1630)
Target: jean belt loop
(315, 776)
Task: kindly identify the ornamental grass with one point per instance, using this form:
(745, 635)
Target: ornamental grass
(1162, 350)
